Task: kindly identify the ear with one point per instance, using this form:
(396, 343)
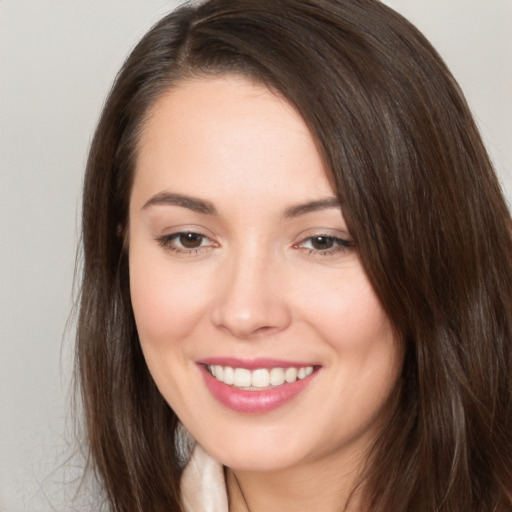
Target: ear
(122, 234)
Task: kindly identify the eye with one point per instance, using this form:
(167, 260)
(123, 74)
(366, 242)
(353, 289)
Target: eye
(187, 242)
(324, 244)
(190, 240)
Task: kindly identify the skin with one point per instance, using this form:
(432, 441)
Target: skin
(258, 284)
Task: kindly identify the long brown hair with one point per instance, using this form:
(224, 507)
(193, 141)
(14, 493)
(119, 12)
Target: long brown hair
(421, 201)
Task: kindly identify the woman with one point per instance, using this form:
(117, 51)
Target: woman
(297, 271)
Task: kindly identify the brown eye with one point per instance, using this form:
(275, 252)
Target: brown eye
(322, 243)
(187, 243)
(190, 240)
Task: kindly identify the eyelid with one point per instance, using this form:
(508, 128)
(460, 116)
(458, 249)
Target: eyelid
(167, 240)
(341, 234)
(342, 242)
(170, 230)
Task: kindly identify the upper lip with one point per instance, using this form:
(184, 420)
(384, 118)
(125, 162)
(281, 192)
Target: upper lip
(254, 364)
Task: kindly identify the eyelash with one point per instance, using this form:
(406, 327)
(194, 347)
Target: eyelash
(169, 242)
(337, 244)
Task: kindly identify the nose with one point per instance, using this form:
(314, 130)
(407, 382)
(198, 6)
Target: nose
(251, 300)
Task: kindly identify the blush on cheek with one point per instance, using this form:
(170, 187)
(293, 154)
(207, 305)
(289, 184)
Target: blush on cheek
(158, 316)
(352, 318)
(165, 306)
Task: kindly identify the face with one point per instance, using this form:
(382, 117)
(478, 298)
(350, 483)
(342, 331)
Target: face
(256, 319)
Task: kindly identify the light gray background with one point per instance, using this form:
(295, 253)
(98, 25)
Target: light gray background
(57, 61)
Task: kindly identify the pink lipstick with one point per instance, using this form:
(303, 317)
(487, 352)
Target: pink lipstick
(258, 385)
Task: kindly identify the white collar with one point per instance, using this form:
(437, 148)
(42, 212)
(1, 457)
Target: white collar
(203, 487)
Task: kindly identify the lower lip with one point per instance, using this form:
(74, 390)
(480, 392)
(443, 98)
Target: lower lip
(255, 402)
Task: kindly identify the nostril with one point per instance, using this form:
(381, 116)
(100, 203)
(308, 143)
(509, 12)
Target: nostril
(265, 329)
(248, 332)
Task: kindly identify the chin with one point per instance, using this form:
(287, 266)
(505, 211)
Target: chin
(256, 461)
(256, 451)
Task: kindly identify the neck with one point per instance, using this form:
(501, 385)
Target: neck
(299, 489)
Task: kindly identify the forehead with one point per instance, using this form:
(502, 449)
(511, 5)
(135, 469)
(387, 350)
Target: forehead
(227, 135)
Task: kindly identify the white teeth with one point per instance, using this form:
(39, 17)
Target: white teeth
(277, 376)
(290, 374)
(229, 375)
(242, 378)
(261, 378)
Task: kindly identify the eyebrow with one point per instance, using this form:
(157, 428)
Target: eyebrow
(192, 203)
(206, 207)
(311, 206)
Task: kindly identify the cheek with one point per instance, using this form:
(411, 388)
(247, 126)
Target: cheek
(368, 357)
(365, 339)
(347, 311)
(167, 304)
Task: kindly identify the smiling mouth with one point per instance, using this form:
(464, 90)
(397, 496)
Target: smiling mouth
(259, 379)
